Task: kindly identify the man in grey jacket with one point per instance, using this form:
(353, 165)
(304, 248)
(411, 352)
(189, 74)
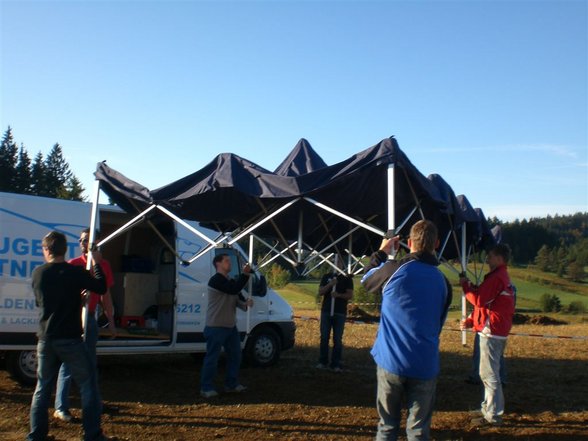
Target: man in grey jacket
(224, 297)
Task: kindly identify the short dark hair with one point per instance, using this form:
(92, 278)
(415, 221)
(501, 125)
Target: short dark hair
(423, 235)
(502, 250)
(218, 258)
(56, 243)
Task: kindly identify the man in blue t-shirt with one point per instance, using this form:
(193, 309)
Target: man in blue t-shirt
(415, 300)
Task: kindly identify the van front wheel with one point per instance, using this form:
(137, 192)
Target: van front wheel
(22, 366)
(262, 348)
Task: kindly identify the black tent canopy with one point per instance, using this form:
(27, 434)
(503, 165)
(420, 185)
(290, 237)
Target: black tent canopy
(349, 205)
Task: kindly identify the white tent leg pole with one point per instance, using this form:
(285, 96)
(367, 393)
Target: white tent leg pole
(250, 282)
(332, 291)
(349, 256)
(91, 241)
(300, 220)
(391, 207)
(463, 269)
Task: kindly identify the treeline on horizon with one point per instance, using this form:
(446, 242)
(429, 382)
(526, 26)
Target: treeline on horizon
(557, 244)
(48, 176)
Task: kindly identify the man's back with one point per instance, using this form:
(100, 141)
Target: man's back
(413, 310)
(57, 288)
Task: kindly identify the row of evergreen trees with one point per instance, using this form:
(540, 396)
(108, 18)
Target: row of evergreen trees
(564, 260)
(48, 176)
(557, 244)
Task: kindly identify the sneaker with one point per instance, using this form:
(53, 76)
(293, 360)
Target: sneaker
(483, 422)
(336, 369)
(208, 393)
(63, 416)
(321, 366)
(238, 388)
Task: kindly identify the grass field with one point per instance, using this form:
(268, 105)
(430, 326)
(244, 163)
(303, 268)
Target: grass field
(531, 285)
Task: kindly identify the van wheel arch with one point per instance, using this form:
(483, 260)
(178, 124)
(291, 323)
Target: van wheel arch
(22, 366)
(263, 347)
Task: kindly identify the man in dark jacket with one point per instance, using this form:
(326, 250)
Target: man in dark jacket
(57, 286)
(336, 291)
(415, 300)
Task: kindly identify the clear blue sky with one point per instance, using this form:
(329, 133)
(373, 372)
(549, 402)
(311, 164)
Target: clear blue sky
(491, 95)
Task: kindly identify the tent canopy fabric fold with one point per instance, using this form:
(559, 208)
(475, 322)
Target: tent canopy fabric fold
(301, 160)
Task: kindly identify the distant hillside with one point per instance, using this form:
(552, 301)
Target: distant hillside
(526, 237)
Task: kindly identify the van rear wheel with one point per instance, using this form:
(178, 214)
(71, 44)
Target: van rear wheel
(262, 348)
(22, 366)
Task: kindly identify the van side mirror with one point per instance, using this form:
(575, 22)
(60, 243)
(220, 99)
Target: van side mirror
(259, 285)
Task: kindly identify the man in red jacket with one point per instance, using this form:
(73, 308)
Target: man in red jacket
(493, 303)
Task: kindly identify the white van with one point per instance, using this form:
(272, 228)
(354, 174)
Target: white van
(160, 301)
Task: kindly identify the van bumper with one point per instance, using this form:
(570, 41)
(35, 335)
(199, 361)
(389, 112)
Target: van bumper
(288, 333)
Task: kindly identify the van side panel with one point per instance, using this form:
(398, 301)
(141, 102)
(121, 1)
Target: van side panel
(192, 282)
(24, 220)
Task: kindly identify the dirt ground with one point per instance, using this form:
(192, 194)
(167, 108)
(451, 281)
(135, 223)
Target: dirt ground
(157, 396)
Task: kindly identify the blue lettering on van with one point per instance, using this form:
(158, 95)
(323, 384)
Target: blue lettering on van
(37, 247)
(188, 308)
(22, 246)
(26, 304)
(23, 321)
(18, 268)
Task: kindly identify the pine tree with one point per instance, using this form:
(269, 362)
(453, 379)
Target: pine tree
(576, 271)
(38, 176)
(542, 260)
(8, 161)
(57, 173)
(73, 191)
(23, 178)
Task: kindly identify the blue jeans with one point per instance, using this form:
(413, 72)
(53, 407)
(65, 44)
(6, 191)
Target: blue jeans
(50, 354)
(337, 324)
(64, 377)
(420, 398)
(475, 373)
(491, 349)
(217, 338)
